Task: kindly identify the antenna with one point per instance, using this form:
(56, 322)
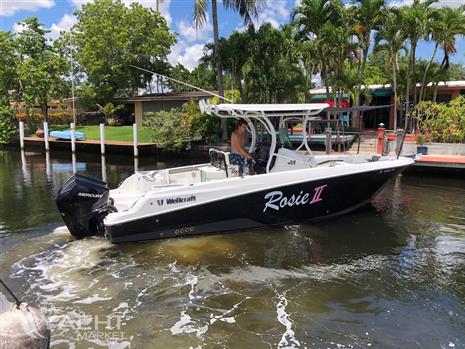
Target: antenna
(182, 83)
(72, 78)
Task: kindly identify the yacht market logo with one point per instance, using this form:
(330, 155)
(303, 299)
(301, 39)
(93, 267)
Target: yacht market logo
(276, 199)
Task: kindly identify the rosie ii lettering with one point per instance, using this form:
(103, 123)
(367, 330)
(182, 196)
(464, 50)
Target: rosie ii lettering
(276, 199)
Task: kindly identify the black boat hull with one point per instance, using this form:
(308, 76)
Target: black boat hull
(303, 202)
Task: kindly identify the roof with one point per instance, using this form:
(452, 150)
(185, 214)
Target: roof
(359, 108)
(454, 83)
(169, 96)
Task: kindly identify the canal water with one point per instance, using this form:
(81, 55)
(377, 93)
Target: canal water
(391, 275)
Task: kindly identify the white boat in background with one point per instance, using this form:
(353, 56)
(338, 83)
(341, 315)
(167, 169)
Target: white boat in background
(285, 186)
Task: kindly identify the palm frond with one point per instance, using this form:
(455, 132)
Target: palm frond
(200, 12)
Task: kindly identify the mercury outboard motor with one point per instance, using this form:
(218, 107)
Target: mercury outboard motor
(83, 202)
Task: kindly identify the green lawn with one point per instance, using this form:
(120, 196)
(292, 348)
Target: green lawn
(112, 133)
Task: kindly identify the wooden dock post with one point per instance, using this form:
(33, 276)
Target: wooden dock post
(21, 135)
(102, 139)
(328, 141)
(380, 142)
(134, 135)
(73, 138)
(46, 135)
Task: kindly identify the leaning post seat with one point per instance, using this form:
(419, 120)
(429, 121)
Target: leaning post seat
(219, 159)
(287, 160)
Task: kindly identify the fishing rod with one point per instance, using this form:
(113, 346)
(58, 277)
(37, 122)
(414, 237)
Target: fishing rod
(17, 301)
(182, 83)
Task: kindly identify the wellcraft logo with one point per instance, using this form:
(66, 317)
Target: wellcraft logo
(276, 199)
(177, 200)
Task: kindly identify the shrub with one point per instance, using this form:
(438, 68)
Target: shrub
(55, 116)
(439, 122)
(109, 111)
(178, 128)
(7, 124)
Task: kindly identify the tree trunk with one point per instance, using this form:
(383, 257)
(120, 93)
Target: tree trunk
(414, 74)
(219, 75)
(423, 81)
(45, 111)
(407, 91)
(394, 81)
(325, 73)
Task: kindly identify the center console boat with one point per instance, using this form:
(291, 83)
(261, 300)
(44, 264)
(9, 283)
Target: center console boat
(285, 186)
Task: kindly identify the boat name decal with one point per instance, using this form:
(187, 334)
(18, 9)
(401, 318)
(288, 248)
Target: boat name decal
(177, 200)
(90, 195)
(276, 199)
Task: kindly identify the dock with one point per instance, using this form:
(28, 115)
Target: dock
(437, 164)
(91, 145)
(450, 161)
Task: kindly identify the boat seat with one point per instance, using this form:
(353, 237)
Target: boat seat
(219, 159)
(287, 160)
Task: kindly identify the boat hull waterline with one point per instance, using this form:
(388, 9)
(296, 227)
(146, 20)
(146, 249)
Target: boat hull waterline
(309, 201)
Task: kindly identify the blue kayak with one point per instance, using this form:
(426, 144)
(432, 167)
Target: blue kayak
(67, 135)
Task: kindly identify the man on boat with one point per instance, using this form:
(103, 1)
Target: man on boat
(239, 155)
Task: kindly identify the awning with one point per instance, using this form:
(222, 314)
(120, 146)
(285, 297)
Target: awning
(322, 96)
(382, 93)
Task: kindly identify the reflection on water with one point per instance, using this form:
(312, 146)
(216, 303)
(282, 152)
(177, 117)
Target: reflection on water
(389, 275)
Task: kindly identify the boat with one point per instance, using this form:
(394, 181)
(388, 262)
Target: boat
(66, 135)
(321, 138)
(285, 186)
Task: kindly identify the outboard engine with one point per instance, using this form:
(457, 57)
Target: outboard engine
(83, 202)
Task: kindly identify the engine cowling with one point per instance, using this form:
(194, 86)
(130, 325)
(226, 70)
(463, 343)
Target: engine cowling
(83, 203)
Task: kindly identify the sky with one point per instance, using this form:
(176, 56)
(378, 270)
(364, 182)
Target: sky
(57, 15)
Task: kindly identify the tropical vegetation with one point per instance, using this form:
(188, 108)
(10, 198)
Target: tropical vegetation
(441, 122)
(178, 128)
(340, 45)
(7, 124)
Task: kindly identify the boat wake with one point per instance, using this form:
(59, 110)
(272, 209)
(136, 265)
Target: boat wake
(288, 339)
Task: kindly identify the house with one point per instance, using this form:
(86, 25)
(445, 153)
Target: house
(383, 95)
(159, 102)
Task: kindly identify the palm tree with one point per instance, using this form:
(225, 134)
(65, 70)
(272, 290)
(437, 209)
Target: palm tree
(233, 53)
(309, 18)
(453, 25)
(434, 29)
(415, 19)
(272, 71)
(246, 8)
(390, 39)
(446, 25)
(369, 15)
